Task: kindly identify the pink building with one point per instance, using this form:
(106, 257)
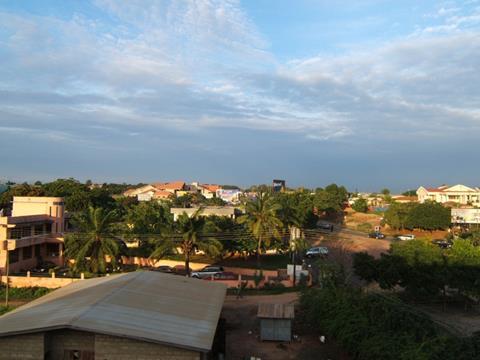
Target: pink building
(32, 234)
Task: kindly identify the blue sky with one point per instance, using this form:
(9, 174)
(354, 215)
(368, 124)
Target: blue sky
(366, 93)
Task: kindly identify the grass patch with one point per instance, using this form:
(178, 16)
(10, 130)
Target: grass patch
(267, 262)
(24, 293)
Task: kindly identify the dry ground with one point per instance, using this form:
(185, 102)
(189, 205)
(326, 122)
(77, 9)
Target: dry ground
(243, 334)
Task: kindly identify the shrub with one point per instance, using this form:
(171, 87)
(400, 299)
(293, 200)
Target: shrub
(365, 227)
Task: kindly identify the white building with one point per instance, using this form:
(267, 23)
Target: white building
(460, 194)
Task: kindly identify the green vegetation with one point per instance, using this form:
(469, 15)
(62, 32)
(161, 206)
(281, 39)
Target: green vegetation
(189, 239)
(427, 216)
(360, 205)
(330, 200)
(261, 220)
(365, 227)
(425, 271)
(95, 239)
(24, 293)
(372, 327)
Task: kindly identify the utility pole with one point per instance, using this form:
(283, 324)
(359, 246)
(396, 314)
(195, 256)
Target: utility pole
(7, 266)
(294, 235)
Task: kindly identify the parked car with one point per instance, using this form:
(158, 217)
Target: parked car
(316, 252)
(442, 243)
(179, 270)
(226, 275)
(406, 237)
(376, 235)
(164, 269)
(325, 226)
(207, 271)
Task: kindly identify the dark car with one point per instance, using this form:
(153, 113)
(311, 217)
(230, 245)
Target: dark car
(179, 270)
(442, 243)
(325, 226)
(163, 268)
(376, 235)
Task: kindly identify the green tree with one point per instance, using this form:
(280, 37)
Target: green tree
(331, 199)
(187, 238)
(429, 216)
(95, 239)
(360, 205)
(147, 222)
(261, 220)
(385, 192)
(24, 189)
(397, 215)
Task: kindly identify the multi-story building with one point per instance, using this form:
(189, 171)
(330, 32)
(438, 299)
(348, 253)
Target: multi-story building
(32, 234)
(459, 194)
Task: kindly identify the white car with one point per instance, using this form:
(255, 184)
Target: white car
(406, 237)
(316, 251)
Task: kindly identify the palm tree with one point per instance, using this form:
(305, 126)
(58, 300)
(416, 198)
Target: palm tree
(94, 240)
(187, 238)
(261, 219)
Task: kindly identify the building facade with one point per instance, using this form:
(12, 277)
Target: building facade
(459, 194)
(33, 234)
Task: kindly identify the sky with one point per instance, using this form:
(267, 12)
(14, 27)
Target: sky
(364, 93)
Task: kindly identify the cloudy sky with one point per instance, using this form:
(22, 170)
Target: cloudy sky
(366, 93)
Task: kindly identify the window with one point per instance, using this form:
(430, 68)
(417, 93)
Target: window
(48, 228)
(26, 253)
(13, 256)
(37, 250)
(38, 229)
(53, 250)
(20, 232)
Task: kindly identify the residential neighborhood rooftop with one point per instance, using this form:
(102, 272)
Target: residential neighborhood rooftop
(142, 305)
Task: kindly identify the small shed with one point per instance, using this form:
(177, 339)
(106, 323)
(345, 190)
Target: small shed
(276, 321)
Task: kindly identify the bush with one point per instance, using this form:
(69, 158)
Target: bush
(377, 327)
(360, 205)
(25, 293)
(365, 227)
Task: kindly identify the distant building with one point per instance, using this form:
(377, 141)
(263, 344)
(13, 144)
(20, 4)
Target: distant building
(458, 194)
(33, 233)
(157, 191)
(226, 211)
(404, 199)
(138, 315)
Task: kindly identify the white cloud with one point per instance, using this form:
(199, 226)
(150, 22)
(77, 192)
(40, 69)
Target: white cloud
(201, 64)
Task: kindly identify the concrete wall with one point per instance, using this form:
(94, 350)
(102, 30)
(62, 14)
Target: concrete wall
(115, 348)
(48, 282)
(22, 347)
(58, 342)
(54, 344)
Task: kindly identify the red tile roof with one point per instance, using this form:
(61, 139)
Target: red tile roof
(211, 187)
(175, 185)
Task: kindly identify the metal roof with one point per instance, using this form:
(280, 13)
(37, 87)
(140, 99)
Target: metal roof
(142, 305)
(275, 311)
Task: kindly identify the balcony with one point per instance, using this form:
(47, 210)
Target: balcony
(12, 244)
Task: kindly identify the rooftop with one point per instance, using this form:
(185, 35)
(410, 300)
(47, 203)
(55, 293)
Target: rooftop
(142, 305)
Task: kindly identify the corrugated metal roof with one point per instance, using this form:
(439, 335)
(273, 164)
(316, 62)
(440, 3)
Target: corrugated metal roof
(276, 311)
(142, 305)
